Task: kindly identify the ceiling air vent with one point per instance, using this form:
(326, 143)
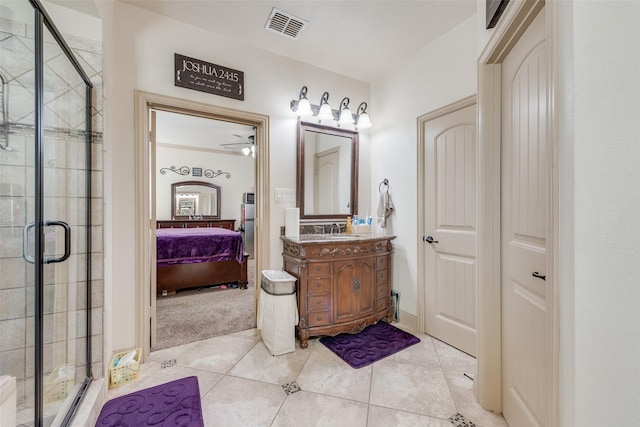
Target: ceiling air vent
(285, 24)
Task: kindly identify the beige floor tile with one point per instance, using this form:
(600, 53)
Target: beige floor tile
(206, 380)
(455, 360)
(240, 402)
(311, 409)
(462, 391)
(411, 388)
(422, 353)
(240, 384)
(385, 417)
(326, 373)
(260, 365)
(218, 354)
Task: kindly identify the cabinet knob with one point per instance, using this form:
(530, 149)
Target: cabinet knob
(318, 285)
(319, 302)
(356, 286)
(319, 318)
(318, 268)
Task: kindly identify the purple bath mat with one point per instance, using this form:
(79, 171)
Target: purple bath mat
(375, 342)
(176, 403)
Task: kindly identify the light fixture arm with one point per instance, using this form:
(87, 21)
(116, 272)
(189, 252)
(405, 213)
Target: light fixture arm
(324, 99)
(362, 108)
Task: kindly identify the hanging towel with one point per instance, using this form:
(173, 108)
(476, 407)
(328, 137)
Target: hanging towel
(385, 207)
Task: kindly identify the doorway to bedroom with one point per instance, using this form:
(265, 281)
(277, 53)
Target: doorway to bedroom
(200, 146)
(204, 206)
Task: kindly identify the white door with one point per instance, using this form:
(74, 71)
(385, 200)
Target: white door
(526, 376)
(327, 170)
(450, 227)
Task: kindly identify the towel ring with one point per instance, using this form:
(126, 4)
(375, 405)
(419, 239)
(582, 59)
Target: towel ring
(384, 182)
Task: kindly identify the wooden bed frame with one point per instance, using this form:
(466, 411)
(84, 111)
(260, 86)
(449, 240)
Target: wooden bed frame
(171, 278)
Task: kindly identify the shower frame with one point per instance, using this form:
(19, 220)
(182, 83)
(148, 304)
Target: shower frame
(42, 19)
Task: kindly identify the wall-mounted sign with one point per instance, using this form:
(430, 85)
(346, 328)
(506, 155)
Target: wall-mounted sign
(207, 77)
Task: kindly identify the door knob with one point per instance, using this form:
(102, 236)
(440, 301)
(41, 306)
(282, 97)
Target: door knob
(430, 240)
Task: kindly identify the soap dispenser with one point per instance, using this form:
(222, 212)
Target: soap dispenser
(348, 228)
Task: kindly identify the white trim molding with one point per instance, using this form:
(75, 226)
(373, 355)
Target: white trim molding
(514, 21)
(145, 214)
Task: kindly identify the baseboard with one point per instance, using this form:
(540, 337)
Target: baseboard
(409, 320)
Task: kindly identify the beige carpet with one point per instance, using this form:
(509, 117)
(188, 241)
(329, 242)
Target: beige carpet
(200, 314)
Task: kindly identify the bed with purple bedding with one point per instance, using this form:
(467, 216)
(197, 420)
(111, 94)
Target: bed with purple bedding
(195, 257)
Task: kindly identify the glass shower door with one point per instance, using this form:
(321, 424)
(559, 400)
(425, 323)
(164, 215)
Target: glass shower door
(45, 159)
(65, 176)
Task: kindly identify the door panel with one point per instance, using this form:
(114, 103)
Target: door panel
(525, 315)
(344, 275)
(365, 295)
(326, 181)
(450, 218)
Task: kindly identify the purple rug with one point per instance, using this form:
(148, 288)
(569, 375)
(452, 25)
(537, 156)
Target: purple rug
(176, 403)
(375, 342)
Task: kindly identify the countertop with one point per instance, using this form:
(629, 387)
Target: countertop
(342, 237)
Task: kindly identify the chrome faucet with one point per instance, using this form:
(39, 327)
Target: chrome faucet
(331, 228)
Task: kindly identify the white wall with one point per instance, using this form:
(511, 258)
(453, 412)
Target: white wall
(600, 203)
(441, 73)
(240, 168)
(139, 52)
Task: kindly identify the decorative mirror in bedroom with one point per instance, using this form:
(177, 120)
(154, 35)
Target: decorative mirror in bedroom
(327, 172)
(195, 199)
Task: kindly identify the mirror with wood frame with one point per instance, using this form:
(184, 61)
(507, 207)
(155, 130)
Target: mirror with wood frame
(327, 172)
(195, 199)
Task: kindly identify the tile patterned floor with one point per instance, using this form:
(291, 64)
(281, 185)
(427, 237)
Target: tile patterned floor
(241, 384)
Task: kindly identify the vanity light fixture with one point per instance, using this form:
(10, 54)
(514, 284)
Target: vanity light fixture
(324, 112)
(303, 106)
(344, 114)
(362, 118)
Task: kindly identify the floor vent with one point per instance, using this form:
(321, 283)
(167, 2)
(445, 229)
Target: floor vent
(285, 24)
(458, 420)
(291, 387)
(167, 363)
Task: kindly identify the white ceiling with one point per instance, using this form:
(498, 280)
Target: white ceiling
(362, 39)
(182, 129)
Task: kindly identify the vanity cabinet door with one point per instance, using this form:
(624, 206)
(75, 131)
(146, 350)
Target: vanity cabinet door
(354, 289)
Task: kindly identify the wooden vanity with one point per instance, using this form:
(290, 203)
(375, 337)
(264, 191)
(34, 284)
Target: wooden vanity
(343, 282)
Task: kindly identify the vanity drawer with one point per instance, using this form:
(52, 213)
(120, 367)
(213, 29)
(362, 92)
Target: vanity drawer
(381, 304)
(382, 276)
(318, 318)
(319, 269)
(381, 291)
(318, 302)
(382, 262)
(315, 285)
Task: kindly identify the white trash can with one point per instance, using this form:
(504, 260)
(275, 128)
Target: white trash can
(278, 311)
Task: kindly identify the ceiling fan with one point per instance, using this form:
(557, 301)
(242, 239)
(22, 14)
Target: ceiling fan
(247, 147)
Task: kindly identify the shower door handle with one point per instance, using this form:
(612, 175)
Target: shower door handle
(67, 242)
(25, 243)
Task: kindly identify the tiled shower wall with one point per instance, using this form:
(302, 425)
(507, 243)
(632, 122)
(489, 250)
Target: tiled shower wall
(65, 293)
